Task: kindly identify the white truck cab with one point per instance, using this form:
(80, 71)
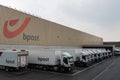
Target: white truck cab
(96, 55)
(100, 54)
(67, 60)
(92, 55)
(109, 53)
(85, 58)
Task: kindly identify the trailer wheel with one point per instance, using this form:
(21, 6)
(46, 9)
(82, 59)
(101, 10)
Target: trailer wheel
(86, 64)
(62, 69)
(6, 69)
(45, 68)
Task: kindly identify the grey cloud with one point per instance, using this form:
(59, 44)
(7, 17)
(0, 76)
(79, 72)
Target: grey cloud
(105, 13)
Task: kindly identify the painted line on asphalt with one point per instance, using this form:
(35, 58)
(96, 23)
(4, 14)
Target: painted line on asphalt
(106, 69)
(87, 68)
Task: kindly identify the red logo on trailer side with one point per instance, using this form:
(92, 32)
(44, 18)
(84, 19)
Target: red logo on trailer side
(12, 34)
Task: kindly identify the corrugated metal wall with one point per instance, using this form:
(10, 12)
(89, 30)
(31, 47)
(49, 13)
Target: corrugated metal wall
(49, 33)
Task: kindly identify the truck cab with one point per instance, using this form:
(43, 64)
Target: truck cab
(106, 53)
(85, 58)
(100, 54)
(91, 55)
(67, 61)
(96, 56)
(109, 53)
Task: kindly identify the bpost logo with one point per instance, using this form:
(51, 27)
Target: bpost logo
(12, 34)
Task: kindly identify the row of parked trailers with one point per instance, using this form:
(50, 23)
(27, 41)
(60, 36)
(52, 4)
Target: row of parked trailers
(63, 60)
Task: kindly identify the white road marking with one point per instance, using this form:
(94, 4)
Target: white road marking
(86, 68)
(106, 69)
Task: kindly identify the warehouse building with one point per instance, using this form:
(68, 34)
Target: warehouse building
(18, 28)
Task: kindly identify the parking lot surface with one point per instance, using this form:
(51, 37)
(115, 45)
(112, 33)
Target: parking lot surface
(108, 69)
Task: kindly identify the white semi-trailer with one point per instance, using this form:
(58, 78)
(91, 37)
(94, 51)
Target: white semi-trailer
(51, 59)
(13, 59)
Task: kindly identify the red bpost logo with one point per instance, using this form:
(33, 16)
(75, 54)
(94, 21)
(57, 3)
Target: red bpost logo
(13, 34)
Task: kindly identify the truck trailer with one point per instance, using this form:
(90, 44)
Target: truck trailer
(51, 59)
(13, 59)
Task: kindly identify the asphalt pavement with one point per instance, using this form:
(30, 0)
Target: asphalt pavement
(108, 69)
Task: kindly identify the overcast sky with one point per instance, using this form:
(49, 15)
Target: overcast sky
(97, 17)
